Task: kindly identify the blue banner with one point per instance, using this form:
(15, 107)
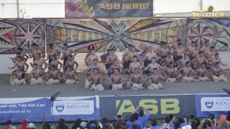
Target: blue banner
(73, 108)
(216, 104)
(18, 108)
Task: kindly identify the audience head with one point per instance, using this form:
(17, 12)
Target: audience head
(167, 119)
(31, 126)
(141, 112)
(123, 124)
(24, 120)
(77, 124)
(154, 122)
(177, 125)
(83, 124)
(134, 126)
(134, 117)
(104, 120)
(46, 126)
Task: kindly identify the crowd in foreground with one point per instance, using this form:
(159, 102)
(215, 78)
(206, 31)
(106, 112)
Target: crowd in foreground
(138, 120)
(150, 68)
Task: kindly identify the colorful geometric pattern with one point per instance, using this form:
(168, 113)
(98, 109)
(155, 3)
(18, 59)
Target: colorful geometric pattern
(21, 34)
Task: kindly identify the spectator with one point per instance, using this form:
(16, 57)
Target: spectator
(76, 124)
(83, 125)
(90, 121)
(117, 118)
(154, 124)
(46, 126)
(143, 118)
(192, 117)
(197, 121)
(9, 125)
(134, 126)
(31, 126)
(123, 125)
(194, 125)
(182, 122)
(228, 118)
(208, 123)
(134, 119)
(171, 116)
(105, 123)
(118, 124)
(167, 121)
(24, 124)
(61, 124)
(92, 126)
(223, 125)
(222, 117)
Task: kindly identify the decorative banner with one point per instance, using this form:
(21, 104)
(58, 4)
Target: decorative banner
(108, 8)
(18, 108)
(76, 107)
(158, 106)
(21, 34)
(216, 104)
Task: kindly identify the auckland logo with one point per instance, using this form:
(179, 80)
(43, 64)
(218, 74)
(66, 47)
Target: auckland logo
(209, 103)
(60, 107)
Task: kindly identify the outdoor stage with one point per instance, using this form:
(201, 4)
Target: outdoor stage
(18, 91)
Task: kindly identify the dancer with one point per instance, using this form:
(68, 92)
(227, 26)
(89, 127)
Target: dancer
(20, 63)
(65, 53)
(70, 76)
(192, 47)
(154, 80)
(131, 54)
(194, 53)
(164, 51)
(96, 81)
(116, 79)
(218, 73)
(175, 45)
(52, 52)
(55, 63)
(53, 75)
(135, 80)
(168, 60)
(210, 53)
(92, 57)
(70, 62)
(113, 67)
(39, 61)
(37, 75)
(151, 66)
(111, 58)
(170, 73)
(186, 71)
(18, 77)
(181, 63)
(36, 49)
(179, 51)
(125, 56)
(200, 59)
(134, 65)
(203, 73)
(148, 56)
(217, 59)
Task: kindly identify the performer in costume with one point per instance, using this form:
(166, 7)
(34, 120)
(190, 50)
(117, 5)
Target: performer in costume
(116, 79)
(136, 80)
(65, 53)
(154, 78)
(96, 81)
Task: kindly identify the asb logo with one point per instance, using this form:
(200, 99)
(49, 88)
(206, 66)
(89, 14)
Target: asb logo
(60, 107)
(209, 103)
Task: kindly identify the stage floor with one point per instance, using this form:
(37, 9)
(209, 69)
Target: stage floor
(15, 91)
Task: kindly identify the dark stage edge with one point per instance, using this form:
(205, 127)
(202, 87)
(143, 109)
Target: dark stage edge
(16, 91)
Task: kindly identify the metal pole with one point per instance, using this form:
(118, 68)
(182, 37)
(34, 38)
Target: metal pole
(18, 9)
(201, 4)
(44, 118)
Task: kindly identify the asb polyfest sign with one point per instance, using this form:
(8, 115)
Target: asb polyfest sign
(212, 104)
(108, 8)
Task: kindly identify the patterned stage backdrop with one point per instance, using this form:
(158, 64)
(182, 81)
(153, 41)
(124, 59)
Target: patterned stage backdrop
(117, 34)
(21, 34)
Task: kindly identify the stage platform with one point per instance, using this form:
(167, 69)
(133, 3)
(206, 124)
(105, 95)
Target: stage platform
(16, 91)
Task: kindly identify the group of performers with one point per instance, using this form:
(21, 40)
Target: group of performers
(150, 68)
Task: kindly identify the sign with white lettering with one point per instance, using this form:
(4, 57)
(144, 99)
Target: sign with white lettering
(212, 104)
(73, 107)
(108, 8)
(18, 108)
